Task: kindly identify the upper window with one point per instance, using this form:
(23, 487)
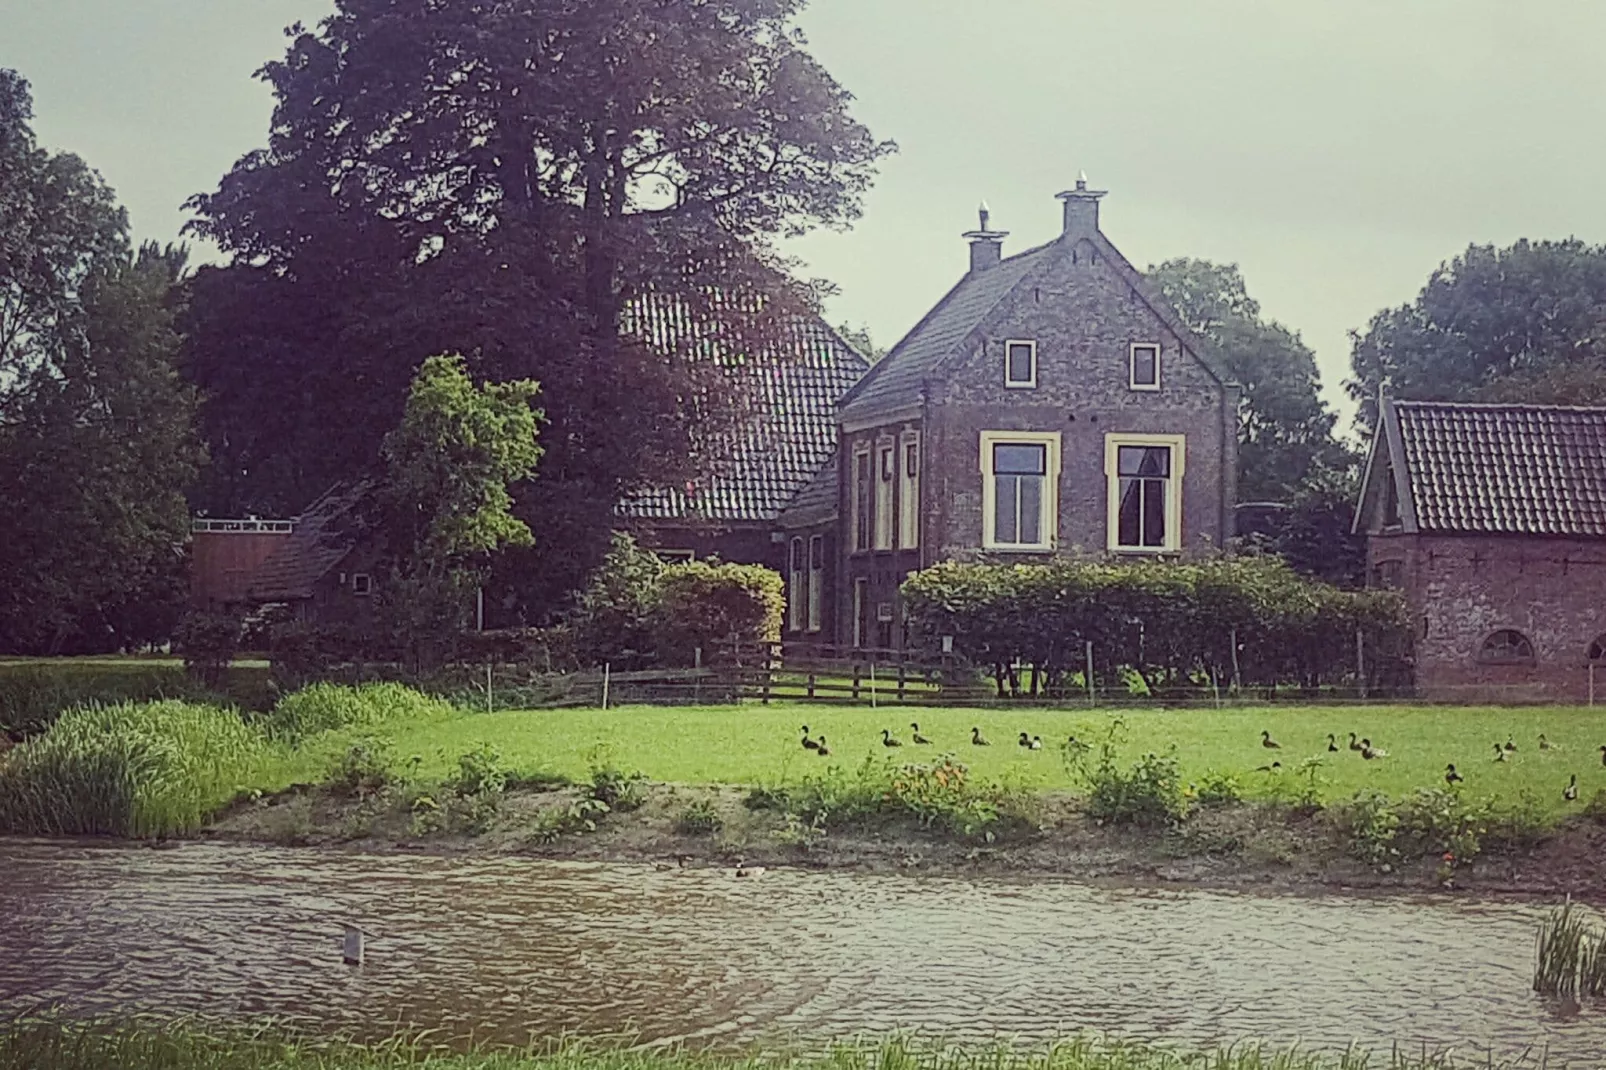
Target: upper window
(1507, 647)
(862, 490)
(1145, 492)
(909, 493)
(362, 583)
(1145, 370)
(1020, 473)
(885, 488)
(1020, 364)
(1389, 573)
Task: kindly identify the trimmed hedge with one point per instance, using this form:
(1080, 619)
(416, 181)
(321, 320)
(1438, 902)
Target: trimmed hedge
(1170, 623)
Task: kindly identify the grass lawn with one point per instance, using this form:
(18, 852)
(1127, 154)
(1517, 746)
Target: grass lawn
(753, 743)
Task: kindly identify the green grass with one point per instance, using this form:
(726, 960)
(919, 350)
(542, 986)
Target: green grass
(760, 744)
(33, 691)
(57, 1045)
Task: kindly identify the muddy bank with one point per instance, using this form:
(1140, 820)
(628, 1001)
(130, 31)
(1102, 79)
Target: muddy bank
(1245, 845)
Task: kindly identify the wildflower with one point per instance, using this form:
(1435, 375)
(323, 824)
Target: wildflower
(1449, 856)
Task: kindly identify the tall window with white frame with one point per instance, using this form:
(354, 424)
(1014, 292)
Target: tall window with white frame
(816, 582)
(1020, 364)
(1145, 473)
(909, 493)
(861, 491)
(1145, 366)
(796, 586)
(1020, 470)
(886, 487)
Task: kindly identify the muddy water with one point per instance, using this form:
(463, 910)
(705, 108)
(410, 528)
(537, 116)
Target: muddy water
(503, 948)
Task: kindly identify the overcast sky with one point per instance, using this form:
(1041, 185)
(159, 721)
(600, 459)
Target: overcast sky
(1338, 151)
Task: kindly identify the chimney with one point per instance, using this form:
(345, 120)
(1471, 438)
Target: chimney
(986, 245)
(1081, 208)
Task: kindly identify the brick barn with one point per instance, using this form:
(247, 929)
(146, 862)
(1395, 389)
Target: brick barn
(1492, 521)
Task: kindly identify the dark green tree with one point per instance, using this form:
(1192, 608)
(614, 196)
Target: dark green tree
(503, 179)
(1526, 322)
(1285, 431)
(97, 441)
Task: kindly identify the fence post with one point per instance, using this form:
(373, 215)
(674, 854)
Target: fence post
(1237, 681)
(1360, 662)
(697, 675)
(856, 672)
(607, 668)
(901, 681)
(811, 685)
(1092, 696)
(1592, 684)
(872, 683)
(769, 673)
(490, 706)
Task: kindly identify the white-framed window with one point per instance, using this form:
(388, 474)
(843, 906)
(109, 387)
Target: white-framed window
(1144, 366)
(797, 579)
(362, 583)
(861, 492)
(886, 489)
(1145, 491)
(909, 492)
(1020, 364)
(816, 582)
(675, 557)
(1020, 489)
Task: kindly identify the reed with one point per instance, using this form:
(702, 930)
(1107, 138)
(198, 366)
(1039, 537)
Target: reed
(326, 707)
(1570, 955)
(130, 769)
(54, 1044)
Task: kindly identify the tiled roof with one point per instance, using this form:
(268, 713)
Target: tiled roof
(791, 387)
(815, 503)
(318, 545)
(1518, 469)
(897, 379)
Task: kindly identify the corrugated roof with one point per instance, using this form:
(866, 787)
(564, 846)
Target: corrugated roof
(317, 546)
(815, 503)
(897, 379)
(791, 385)
(1509, 469)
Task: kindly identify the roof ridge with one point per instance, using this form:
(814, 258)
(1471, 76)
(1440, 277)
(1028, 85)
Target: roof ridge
(1498, 405)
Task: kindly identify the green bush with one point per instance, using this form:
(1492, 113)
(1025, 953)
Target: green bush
(1149, 793)
(208, 642)
(1368, 824)
(705, 606)
(940, 794)
(1218, 789)
(618, 790)
(699, 819)
(133, 769)
(613, 617)
(364, 768)
(480, 772)
(326, 707)
(1170, 624)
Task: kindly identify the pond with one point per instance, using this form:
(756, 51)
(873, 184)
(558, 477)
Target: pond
(503, 948)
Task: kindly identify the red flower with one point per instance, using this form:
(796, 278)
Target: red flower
(1449, 856)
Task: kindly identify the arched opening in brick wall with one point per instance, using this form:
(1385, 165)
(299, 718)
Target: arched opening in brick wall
(1506, 647)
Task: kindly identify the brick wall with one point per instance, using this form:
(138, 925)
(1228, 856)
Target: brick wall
(1084, 318)
(1464, 588)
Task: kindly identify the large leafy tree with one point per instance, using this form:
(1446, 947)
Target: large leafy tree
(503, 178)
(1285, 431)
(97, 441)
(1526, 322)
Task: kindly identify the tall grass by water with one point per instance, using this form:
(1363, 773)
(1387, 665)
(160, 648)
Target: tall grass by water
(326, 707)
(34, 694)
(1570, 955)
(53, 1044)
(129, 769)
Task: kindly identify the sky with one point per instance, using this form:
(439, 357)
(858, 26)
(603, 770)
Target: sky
(1336, 150)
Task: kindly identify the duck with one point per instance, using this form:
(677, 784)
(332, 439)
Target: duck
(1499, 753)
(1267, 742)
(889, 740)
(1369, 752)
(1036, 743)
(821, 749)
(1352, 744)
(1025, 740)
(1511, 746)
(808, 744)
(1274, 767)
(1570, 792)
(1545, 744)
(744, 870)
(979, 740)
(1450, 775)
(1603, 754)
(1332, 744)
(919, 739)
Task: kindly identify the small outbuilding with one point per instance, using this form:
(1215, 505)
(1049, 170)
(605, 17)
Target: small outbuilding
(1492, 521)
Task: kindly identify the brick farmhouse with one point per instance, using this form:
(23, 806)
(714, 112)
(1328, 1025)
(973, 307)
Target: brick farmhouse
(1492, 521)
